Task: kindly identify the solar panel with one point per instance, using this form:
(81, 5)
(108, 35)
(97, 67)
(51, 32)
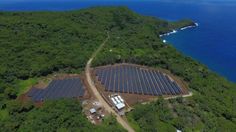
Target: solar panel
(67, 88)
(152, 84)
(80, 87)
(157, 82)
(111, 86)
(32, 91)
(116, 80)
(177, 87)
(99, 73)
(55, 90)
(108, 78)
(70, 88)
(129, 81)
(142, 85)
(39, 95)
(171, 91)
(121, 79)
(156, 85)
(163, 86)
(148, 80)
(171, 85)
(50, 89)
(126, 78)
(133, 78)
(104, 76)
(138, 81)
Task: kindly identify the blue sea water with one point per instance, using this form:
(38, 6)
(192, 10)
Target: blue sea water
(213, 43)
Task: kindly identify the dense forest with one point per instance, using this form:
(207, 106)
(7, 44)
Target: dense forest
(35, 44)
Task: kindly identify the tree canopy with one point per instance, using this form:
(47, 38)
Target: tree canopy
(61, 115)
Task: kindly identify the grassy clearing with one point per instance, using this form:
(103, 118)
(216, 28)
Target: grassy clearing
(3, 114)
(25, 85)
(133, 124)
(165, 127)
(162, 127)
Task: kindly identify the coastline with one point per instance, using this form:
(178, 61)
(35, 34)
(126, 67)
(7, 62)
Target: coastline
(180, 29)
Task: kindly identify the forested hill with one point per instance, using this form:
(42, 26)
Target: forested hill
(34, 44)
(39, 43)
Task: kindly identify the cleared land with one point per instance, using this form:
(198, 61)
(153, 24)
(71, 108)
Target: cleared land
(96, 92)
(66, 88)
(125, 78)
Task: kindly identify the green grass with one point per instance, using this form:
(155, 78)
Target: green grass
(162, 126)
(3, 114)
(133, 124)
(165, 127)
(25, 85)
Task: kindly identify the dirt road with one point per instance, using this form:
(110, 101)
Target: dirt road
(97, 94)
(184, 96)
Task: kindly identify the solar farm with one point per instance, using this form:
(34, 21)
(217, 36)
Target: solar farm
(66, 88)
(134, 79)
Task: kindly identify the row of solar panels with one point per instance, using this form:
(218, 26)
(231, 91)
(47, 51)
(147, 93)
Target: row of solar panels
(132, 79)
(67, 88)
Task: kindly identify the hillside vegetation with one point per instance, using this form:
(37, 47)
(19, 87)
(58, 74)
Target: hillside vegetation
(213, 104)
(61, 115)
(35, 44)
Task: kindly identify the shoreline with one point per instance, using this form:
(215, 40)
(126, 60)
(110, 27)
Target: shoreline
(180, 29)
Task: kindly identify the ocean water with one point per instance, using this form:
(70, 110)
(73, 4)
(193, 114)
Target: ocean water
(213, 42)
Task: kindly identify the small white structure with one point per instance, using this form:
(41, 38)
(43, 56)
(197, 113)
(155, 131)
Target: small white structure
(96, 103)
(120, 106)
(114, 101)
(92, 111)
(120, 99)
(178, 130)
(117, 101)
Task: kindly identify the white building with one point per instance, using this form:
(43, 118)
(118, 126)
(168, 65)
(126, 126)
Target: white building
(117, 101)
(92, 111)
(120, 106)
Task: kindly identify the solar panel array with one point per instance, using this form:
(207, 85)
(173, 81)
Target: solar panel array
(134, 79)
(67, 88)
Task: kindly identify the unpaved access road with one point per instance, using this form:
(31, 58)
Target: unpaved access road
(97, 94)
